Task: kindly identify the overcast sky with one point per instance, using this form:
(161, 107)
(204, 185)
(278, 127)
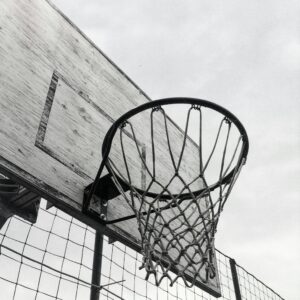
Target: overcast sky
(245, 56)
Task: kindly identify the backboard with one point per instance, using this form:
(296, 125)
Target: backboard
(59, 94)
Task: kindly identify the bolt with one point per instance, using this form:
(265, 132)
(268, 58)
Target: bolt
(103, 216)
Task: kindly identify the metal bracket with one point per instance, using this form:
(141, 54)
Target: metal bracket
(105, 190)
(97, 207)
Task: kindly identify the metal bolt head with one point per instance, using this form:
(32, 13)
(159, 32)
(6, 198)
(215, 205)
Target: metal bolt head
(103, 216)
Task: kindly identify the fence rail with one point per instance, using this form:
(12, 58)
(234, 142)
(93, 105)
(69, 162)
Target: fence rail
(53, 259)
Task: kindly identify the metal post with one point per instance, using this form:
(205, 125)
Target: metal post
(235, 279)
(97, 263)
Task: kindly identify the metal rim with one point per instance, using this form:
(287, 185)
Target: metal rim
(107, 142)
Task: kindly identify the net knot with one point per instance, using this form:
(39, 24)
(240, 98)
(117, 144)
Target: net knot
(196, 107)
(124, 124)
(157, 108)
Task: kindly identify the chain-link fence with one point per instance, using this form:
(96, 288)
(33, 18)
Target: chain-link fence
(53, 259)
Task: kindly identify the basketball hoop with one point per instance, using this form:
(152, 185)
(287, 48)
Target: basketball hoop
(177, 216)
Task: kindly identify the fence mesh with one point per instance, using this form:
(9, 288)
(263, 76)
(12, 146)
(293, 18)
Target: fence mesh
(53, 259)
(253, 288)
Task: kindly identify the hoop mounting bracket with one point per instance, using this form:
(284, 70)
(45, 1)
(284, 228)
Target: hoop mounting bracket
(104, 191)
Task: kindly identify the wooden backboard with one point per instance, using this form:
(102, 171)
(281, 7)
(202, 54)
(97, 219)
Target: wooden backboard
(59, 94)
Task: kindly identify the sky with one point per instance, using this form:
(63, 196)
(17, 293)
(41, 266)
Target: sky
(245, 56)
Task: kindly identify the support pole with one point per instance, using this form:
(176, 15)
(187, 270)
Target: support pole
(97, 264)
(235, 279)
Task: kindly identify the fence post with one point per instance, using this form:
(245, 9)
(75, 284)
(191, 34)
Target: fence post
(235, 279)
(97, 264)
